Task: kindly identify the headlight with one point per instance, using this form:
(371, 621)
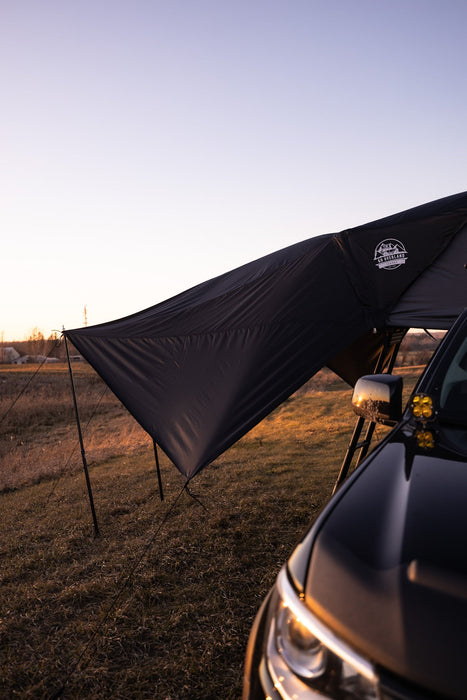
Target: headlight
(306, 660)
(301, 650)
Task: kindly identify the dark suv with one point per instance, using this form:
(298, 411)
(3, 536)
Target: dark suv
(373, 601)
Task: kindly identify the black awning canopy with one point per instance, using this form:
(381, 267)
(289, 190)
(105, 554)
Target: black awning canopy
(202, 368)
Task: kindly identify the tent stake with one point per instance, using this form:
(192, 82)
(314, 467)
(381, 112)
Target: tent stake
(81, 443)
(161, 492)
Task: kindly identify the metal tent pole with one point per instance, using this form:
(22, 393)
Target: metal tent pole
(389, 352)
(394, 343)
(81, 443)
(161, 492)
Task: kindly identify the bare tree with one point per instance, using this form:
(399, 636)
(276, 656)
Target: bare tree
(35, 343)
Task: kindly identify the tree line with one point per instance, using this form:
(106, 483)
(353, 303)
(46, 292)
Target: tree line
(37, 345)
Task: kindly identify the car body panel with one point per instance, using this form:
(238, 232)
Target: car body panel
(389, 572)
(384, 566)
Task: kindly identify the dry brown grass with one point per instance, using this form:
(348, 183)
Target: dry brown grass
(39, 439)
(160, 605)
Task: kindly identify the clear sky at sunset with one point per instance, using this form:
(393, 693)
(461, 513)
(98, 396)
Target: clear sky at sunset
(149, 145)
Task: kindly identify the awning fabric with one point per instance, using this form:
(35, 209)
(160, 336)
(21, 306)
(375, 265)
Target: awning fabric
(202, 368)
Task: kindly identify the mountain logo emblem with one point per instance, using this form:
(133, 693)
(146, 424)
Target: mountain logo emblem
(390, 254)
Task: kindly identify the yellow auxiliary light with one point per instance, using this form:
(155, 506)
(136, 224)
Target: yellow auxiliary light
(425, 439)
(422, 406)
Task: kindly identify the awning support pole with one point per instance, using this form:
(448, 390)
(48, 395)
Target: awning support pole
(389, 351)
(81, 443)
(353, 444)
(161, 492)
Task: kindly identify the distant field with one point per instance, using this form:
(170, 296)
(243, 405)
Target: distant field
(71, 619)
(39, 436)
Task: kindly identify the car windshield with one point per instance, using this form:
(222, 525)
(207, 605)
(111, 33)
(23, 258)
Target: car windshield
(445, 380)
(453, 389)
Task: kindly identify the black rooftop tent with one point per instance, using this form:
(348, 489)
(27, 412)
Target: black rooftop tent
(202, 368)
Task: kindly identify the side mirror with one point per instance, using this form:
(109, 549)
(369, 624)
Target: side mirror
(378, 397)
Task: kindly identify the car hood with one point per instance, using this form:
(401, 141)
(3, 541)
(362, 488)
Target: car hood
(388, 568)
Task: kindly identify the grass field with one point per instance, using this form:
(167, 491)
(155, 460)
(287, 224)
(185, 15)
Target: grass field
(160, 605)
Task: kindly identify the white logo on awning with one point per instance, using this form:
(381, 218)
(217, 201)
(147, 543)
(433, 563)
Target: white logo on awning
(390, 254)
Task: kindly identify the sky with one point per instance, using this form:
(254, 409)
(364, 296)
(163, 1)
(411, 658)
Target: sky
(149, 145)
